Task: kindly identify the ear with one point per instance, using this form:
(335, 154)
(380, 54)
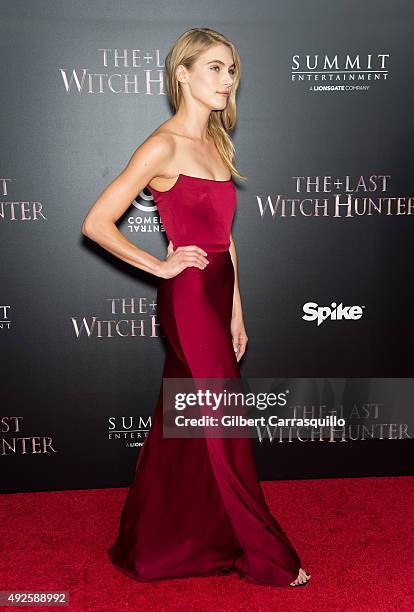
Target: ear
(180, 73)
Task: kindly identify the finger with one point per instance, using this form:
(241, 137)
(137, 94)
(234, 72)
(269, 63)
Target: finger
(188, 255)
(200, 250)
(194, 260)
(237, 350)
(193, 247)
(242, 350)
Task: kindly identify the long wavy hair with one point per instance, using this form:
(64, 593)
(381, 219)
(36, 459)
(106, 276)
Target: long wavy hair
(186, 50)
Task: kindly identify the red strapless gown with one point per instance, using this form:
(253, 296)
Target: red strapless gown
(196, 506)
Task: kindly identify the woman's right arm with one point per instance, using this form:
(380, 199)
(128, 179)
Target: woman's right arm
(99, 225)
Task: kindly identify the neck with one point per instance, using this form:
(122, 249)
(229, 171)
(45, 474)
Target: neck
(193, 122)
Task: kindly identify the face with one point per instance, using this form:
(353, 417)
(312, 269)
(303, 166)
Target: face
(210, 78)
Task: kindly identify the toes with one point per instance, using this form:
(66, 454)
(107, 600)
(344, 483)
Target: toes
(302, 578)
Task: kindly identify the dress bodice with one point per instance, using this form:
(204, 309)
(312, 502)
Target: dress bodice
(197, 211)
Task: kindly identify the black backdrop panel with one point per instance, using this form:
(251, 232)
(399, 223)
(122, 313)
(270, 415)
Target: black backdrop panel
(324, 135)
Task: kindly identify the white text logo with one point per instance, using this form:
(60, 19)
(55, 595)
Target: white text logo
(335, 312)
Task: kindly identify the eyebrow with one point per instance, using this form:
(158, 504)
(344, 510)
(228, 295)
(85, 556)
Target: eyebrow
(219, 62)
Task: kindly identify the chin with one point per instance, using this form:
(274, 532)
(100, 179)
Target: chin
(220, 106)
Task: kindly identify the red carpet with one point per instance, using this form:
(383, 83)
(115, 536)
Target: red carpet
(355, 536)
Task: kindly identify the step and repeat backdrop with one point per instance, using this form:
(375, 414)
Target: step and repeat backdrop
(323, 231)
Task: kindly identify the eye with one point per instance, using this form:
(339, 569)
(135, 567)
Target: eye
(232, 70)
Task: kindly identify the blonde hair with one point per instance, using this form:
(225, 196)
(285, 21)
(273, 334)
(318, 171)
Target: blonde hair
(186, 50)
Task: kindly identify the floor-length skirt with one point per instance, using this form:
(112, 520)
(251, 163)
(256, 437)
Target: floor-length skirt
(196, 506)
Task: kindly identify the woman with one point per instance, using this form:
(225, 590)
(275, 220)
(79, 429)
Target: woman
(196, 506)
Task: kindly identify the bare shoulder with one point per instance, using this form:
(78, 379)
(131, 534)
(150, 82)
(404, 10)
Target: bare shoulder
(150, 160)
(154, 151)
(158, 151)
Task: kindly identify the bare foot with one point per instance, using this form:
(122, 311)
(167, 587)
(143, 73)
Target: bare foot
(302, 577)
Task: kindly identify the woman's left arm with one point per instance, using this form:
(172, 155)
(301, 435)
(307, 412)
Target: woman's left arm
(238, 330)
